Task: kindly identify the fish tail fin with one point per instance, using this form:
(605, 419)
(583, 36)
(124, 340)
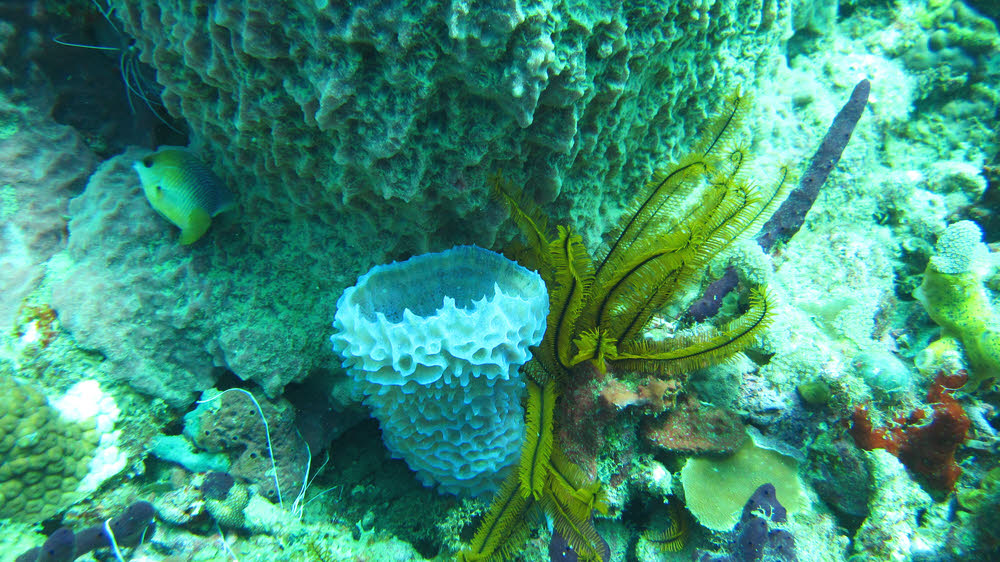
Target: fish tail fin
(227, 206)
(197, 223)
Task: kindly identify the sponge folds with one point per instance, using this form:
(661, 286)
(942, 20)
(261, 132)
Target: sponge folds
(43, 457)
(435, 343)
(959, 250)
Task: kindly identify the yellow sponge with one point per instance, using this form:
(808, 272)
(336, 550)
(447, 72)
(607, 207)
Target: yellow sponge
(955, 298)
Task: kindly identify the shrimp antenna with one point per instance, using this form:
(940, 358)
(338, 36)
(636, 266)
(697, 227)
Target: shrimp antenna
(106, 12)
(130, 72)
(58, 40)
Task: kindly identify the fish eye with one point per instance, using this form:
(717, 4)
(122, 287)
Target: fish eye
(159, 187)
(147, 161)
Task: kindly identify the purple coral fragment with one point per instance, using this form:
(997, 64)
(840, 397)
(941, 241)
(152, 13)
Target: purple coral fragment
(130, 527)
(753, 539)
(59, 547)
(785, 222)
(764, 500)
(64, 546)
(217, 485)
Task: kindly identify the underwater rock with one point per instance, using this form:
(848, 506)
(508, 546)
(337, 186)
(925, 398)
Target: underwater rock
(778, 417)
(42, 165)
(883, 371)
(180, 506)
(166, 316)
(228, 422)
(895, 508)
(652, 395)
(977, 535)
(695, 429)
(123, 288)
(839, 472)
(961, 183)
(43, 162)
(956, 42)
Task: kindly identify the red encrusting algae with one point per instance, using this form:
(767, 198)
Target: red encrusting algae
(925, 448)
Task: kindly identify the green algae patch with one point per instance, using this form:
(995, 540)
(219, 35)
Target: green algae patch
(717, 489)
(8, 126)
(8, 202)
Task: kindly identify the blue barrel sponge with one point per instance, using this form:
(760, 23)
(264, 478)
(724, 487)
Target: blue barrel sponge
(435, 343)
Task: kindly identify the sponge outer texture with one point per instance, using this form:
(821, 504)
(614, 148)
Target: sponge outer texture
(434, 344)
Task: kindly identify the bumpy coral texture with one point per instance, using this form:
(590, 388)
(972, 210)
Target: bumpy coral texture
(435, 344)
(43, 457)
(354, 133)
(959, 250)
(128, 291)
(165, 316)
(42, 164)
(402, 108)
(694, 429)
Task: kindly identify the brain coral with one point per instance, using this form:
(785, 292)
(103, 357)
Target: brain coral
(435, 344)
(43, 457)
(353, 133)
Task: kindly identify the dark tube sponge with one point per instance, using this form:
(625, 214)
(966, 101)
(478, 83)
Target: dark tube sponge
(789, 217)
(792, 213)
(59, 547)
(63, 546)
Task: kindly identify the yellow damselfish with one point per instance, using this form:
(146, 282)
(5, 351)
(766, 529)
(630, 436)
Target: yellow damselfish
(182, 189)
